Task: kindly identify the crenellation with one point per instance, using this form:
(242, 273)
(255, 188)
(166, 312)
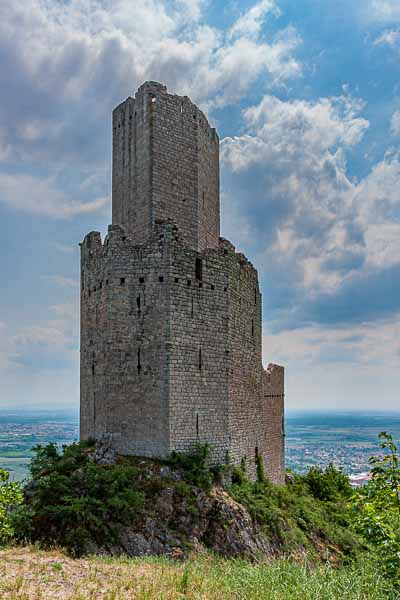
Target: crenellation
(170, 312)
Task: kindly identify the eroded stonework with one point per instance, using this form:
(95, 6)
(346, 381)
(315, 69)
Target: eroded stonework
(170, 312)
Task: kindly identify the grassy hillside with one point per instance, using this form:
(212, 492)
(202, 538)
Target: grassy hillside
(30, 574)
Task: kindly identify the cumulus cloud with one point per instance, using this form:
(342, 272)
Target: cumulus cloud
(364, 344)
(41, 196)
(250, 23)
(67, 64)
(322, 238)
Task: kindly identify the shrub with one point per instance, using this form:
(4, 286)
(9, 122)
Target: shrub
(195, 464)
(10, 497)
(328, 484)
(297, 521)
(72, 501)
(377, 507)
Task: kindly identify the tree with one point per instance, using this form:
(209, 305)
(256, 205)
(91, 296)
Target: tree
(10, 497)
(377, 506)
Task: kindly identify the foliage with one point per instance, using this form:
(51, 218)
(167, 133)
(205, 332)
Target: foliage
(195, 465)
(328, 484)
(10, 497)
(377, 507)
(72, 501)
(260, 468)
(297, 519)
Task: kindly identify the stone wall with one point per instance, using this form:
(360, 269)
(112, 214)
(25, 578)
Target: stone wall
(165, 166)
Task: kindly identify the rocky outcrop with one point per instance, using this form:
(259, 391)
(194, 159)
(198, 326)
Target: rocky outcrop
(179, 518)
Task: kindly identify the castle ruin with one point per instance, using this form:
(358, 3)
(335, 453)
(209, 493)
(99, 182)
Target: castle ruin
(170, 312)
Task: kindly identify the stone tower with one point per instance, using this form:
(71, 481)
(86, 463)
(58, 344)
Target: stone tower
(170, 312)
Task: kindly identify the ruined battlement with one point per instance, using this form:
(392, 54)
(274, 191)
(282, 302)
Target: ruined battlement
(171, 336)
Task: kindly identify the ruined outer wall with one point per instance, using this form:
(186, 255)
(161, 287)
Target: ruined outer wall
(273, 411)
(165, 167)
(124, 336)
(245, 369)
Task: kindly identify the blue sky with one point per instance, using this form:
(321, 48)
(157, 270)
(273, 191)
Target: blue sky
(306, 97)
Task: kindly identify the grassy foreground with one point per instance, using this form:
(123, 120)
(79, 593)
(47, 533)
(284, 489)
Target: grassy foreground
(27, 573)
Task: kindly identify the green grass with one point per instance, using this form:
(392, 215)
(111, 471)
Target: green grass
(26, 572)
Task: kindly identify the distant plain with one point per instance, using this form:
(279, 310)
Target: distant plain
(312, 438)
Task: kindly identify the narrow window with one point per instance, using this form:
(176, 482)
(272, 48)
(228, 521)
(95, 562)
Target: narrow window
(212, 287)
(189, 282)
(200, 360)
(199, 269)
(256, 453)
(122, 281)
(100, 284)
(92, 369)
(176, 279)
(141, 279)
(161, 279)
(139, 366)
(197, 425)
(106, 281)
(138, 303)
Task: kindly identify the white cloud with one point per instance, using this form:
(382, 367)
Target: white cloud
(297, 150)
(383, 10)
(250, 23)
(310, 228)
(367, 345)
(67, 64)
(389, 38)
(41, 196)
(395, 123)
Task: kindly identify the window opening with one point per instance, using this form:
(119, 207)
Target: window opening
(200, 360)
(138, 303)
(141, 279)
(161, 279)
(122, 280)
(199, 269)
(197, 425)
(139, 365)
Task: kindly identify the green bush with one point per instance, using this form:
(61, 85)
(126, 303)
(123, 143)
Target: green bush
(195, 465)
(328, 484)
(10, 497)
(73, 502)
(377, 508)
(297, 521)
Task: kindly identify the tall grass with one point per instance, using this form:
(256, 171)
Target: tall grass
(28, 573)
